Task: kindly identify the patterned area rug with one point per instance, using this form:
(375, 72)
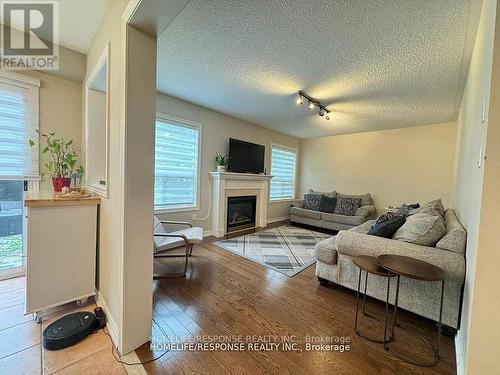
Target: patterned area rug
(285, 249)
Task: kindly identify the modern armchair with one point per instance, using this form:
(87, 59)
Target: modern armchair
(165, 241)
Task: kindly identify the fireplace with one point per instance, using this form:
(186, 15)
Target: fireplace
(241, 212)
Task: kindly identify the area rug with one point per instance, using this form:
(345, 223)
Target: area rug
(285, 249)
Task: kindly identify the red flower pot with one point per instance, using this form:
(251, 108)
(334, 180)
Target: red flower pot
(60, 182)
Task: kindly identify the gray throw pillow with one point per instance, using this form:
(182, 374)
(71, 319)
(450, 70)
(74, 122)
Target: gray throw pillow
(421, 229)
(330, 194)
(366, 199)
(311, 201)
(431, 208)
(327, 204)
(347, 206)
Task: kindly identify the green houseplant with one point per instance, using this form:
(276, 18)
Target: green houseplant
(63, 159)
(221, 161)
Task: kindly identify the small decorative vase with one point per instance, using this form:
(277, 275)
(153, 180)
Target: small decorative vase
(221, 168)
(60, 182)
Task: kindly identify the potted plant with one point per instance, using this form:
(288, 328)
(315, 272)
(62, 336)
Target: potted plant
(62, 160)
(222, 161)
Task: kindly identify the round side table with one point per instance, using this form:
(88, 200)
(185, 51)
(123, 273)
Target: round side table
(370, 265)
(417, 270)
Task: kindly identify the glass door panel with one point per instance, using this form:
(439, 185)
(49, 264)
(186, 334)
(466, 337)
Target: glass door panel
(11, 228)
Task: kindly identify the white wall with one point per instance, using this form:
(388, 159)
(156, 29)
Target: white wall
(468, 177)
(217, 128)
(395, 166)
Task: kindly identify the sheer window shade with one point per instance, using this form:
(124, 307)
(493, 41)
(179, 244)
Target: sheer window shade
(283, 164)
(176, 165)
(18, 124)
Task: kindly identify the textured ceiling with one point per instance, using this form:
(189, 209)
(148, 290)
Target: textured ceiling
(377, 64)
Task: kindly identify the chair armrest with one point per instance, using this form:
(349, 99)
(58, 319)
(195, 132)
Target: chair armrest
(176, 222)
(366, 211)
(172, 236)
(352, 243)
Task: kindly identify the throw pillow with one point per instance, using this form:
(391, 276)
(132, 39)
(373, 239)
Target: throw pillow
(386, 225)
(430, 208)
(366, 199)
(347, 206)
(327, 204)
(311, 201)
(421, 229)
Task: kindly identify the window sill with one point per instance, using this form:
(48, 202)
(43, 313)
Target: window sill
(282, 200)
(174, 210)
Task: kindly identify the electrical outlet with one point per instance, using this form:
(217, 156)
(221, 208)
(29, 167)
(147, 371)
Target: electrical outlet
(194, 216)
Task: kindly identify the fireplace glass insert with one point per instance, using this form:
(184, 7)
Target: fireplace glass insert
(241, 212)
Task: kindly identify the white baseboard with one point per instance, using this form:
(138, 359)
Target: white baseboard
(110, 322)
(276, 219)
(459, 356)
(208, 233)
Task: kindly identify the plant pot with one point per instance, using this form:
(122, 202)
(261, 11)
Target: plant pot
(60, 182)
(221, 168)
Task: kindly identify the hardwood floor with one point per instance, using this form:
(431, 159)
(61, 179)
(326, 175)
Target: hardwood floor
(224, 294)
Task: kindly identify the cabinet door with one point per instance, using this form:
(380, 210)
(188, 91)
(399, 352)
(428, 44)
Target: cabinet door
(61, 255)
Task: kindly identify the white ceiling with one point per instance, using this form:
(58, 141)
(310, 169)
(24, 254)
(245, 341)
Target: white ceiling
(78, 22)
(377, 65)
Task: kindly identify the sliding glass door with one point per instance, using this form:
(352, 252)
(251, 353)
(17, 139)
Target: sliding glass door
(11, 228)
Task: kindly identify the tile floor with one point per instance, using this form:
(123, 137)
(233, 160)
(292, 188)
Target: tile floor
(21, 351)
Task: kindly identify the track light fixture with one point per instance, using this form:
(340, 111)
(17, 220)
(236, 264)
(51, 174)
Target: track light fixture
(313, 103)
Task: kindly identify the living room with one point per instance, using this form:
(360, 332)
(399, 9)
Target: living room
(324, 177)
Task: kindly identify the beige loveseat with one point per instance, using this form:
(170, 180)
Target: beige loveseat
(334, 264)
(298, 214)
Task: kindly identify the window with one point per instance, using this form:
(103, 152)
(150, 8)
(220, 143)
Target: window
(283, 163)
(176, 165)
(18, 124)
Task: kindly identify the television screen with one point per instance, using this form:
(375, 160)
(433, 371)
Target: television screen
(245, 157)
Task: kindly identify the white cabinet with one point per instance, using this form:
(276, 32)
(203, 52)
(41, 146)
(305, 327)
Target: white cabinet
(61, 250)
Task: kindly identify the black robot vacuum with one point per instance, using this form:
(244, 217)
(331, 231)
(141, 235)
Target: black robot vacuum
(72, 328)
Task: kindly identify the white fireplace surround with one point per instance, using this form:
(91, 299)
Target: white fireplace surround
(229, 184)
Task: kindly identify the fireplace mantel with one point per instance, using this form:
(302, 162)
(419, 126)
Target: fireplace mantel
(230, 184)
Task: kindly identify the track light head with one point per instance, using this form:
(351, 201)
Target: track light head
(321, 112)
(310, 106)
(300, 98)
(327, 117)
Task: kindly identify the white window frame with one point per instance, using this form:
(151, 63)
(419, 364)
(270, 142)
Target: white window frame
(277, 145)
(33, 85)
(193, 124)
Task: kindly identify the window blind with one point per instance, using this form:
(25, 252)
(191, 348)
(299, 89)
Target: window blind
(18, 124)
(176, 165)
(283, 163)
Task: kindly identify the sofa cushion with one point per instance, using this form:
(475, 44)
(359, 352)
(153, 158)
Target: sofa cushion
(329, 194)
(455, 237)
(366, 211)
(421, 229)
(297, 211)
(325, 251)
(327, 204)
(430, 208)
(347, 205)
(363, 228)
(311, 201)
(366, 199)
(343, 219)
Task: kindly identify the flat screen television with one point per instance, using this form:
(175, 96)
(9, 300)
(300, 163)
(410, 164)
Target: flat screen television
(245, 157)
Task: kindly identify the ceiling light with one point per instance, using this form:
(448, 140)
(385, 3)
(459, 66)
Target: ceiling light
(300, 98)
(321, 112)
(311, 106)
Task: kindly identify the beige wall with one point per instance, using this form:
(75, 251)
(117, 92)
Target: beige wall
(111, 213)
(476, 198)
(395, 166)
(60, 112)
(216, 129)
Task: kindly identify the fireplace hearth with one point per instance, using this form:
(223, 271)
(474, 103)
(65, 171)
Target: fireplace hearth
(241, 212)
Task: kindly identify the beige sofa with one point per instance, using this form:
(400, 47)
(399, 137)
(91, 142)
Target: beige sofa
(333, 221)
(334, 264)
